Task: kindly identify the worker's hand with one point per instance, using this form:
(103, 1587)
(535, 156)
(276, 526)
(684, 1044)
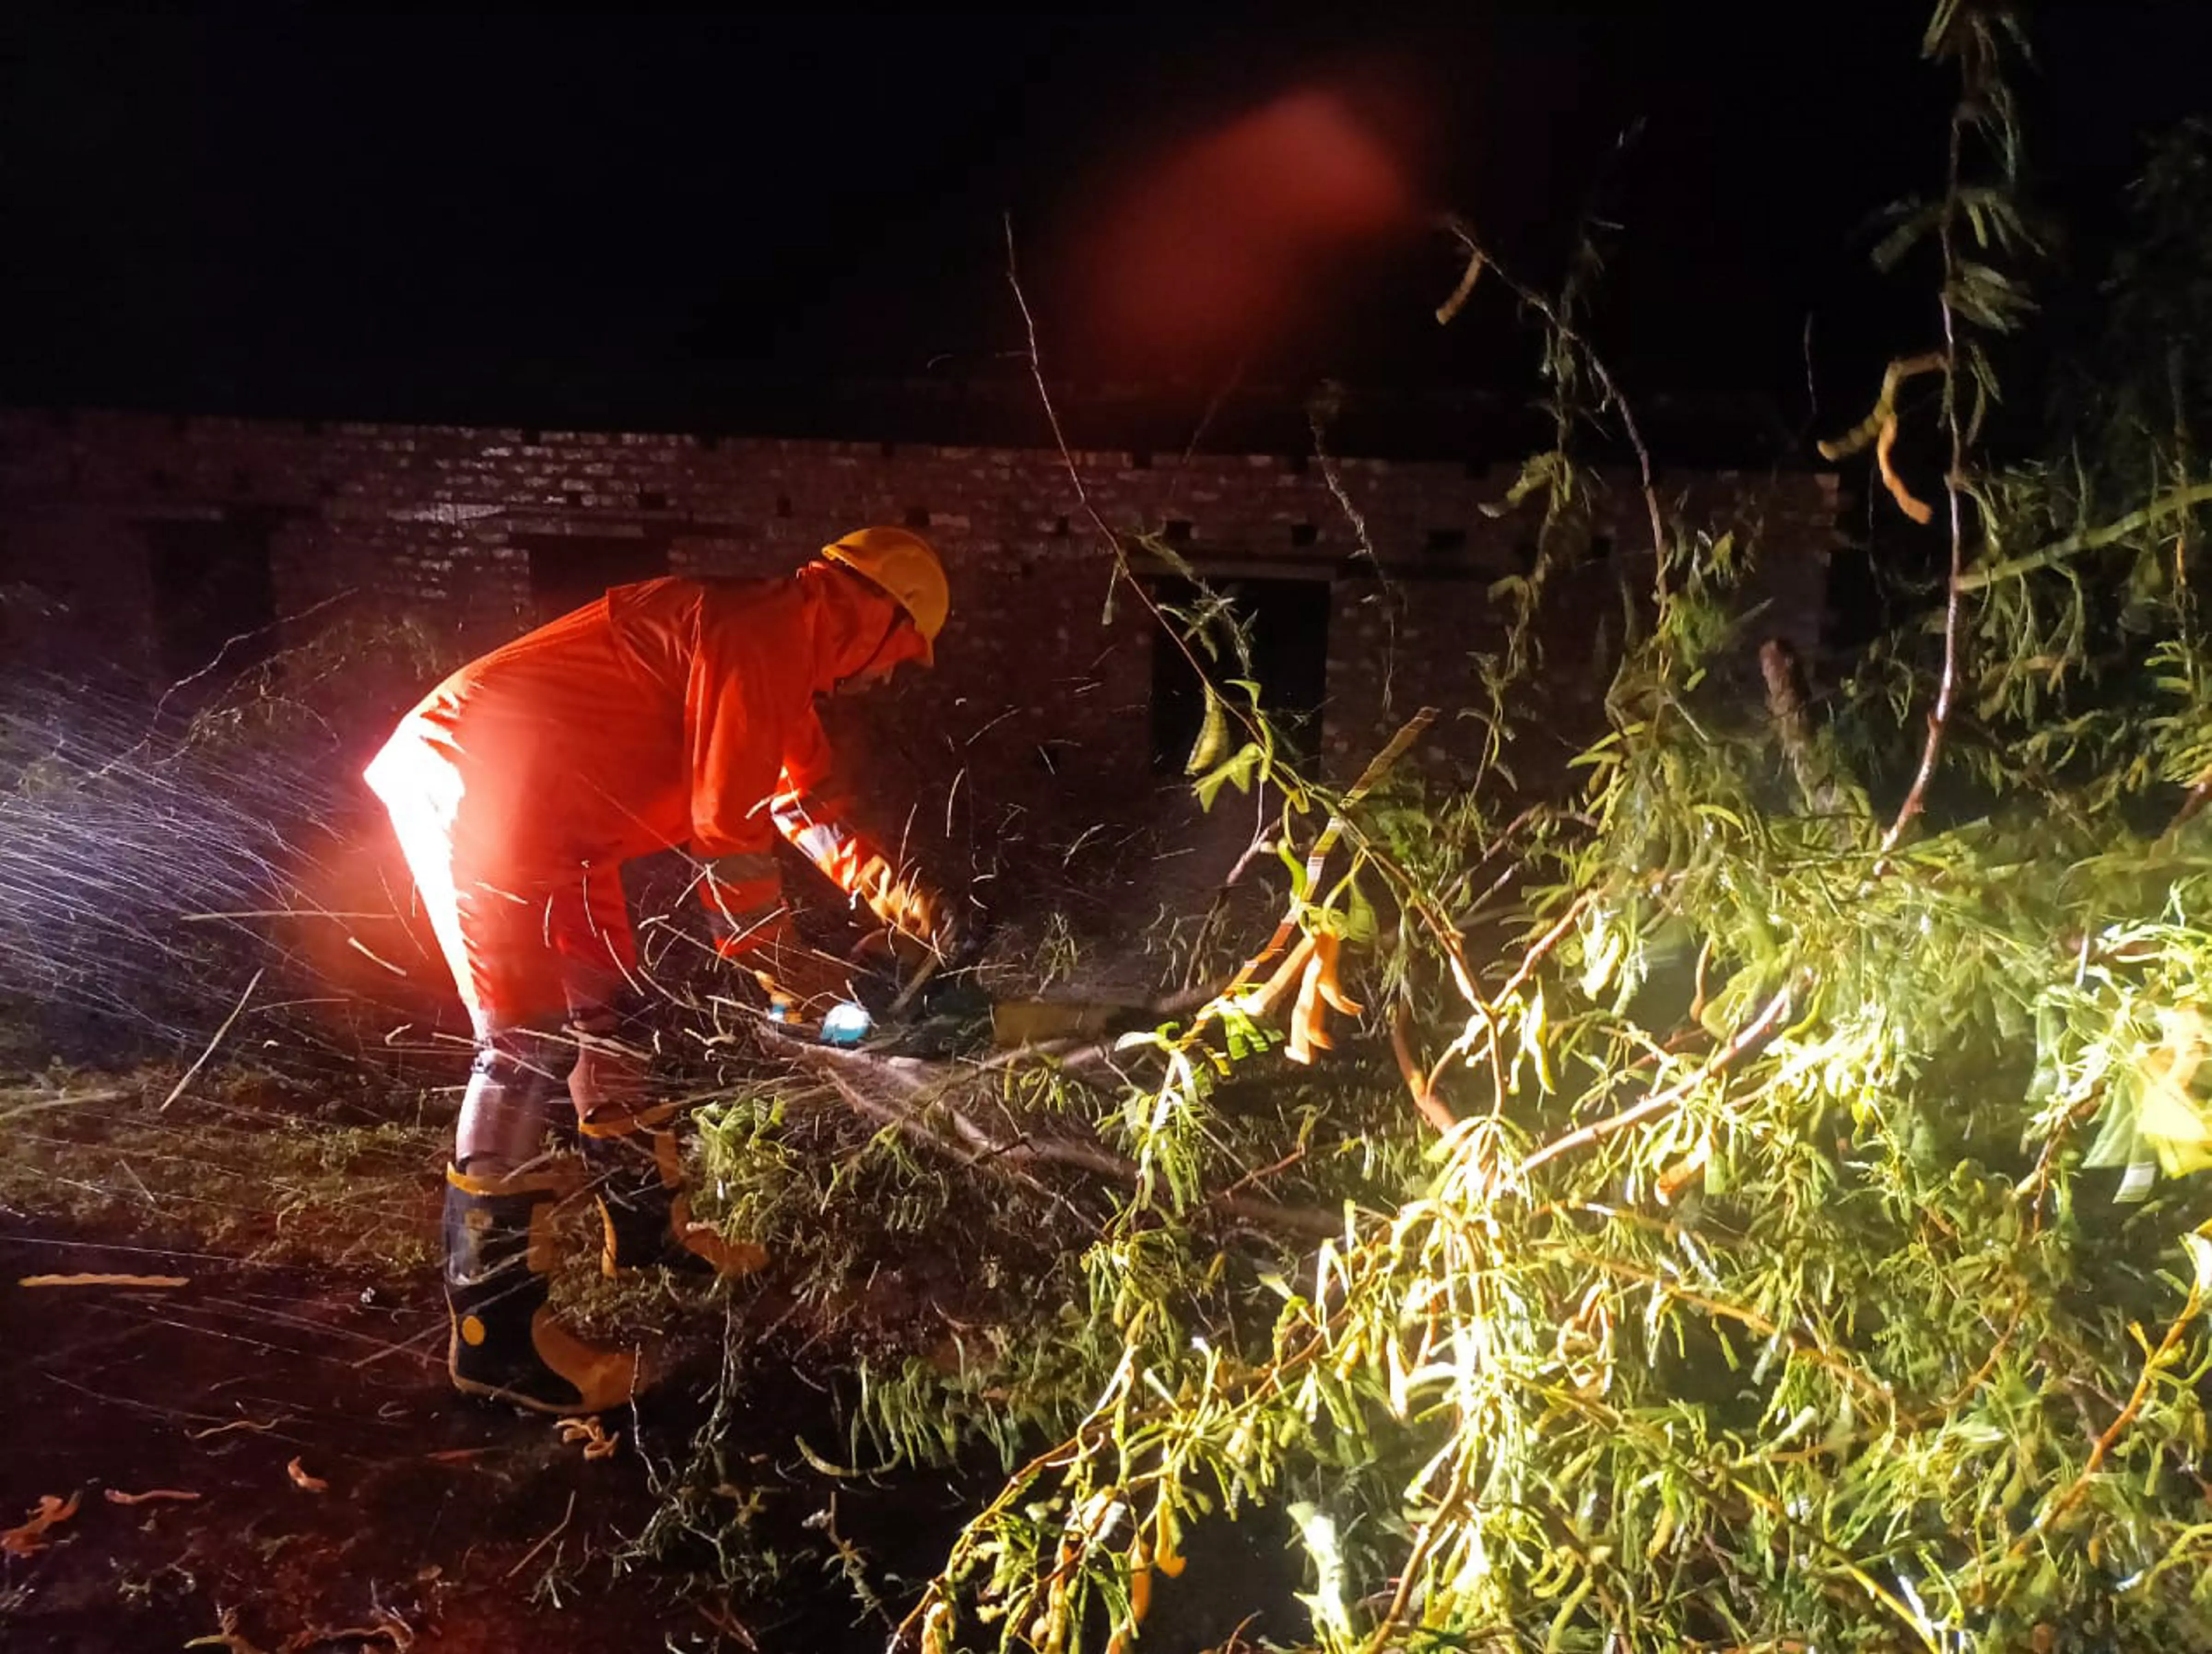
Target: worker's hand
(944, 926)
(802, 983)
(955, 933)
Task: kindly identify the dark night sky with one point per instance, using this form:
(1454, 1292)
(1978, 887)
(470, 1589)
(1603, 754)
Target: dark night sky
(531, 212)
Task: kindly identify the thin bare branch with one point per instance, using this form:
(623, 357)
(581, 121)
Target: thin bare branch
(1658, 1102)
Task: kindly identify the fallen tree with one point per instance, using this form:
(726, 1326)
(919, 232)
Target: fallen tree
(1744, 1202)
(1752, 1209)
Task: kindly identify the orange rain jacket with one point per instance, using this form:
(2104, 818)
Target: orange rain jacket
(671, 712)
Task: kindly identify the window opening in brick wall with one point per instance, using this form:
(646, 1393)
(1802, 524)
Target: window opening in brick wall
(1443, 540)
(567, 571)
(1303, 533)
(1289, 630)
(214, 600)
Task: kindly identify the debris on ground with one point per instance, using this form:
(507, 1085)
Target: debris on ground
(598, 1445)
(28, 1538)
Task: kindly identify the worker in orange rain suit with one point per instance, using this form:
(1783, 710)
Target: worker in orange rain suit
(673, 712)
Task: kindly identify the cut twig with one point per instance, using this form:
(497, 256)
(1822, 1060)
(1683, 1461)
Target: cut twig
(28, 1538)
(389, 1627)
(559, 1529)
(1907, 501)
(38, 1102)
(928, 968)
(303, 1480)
(256, 1425)
(200, 1061)
(226, 1637)
(1459, 294)
(598, 1445)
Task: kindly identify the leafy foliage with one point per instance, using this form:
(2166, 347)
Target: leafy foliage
(1778, 1231)
(1755, 1201)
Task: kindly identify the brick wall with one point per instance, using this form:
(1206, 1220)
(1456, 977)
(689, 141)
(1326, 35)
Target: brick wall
(1036, 728)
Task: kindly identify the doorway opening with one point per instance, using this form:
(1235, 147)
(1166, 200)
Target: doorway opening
(1287, 623)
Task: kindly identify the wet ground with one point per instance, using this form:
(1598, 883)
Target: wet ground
(342, 1498)
(232, 1377)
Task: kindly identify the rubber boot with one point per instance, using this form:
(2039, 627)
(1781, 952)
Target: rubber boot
(505, 1344)
(637, 1179)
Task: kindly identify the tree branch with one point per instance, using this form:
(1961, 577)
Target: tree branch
(2153, 1364)
(1010, 1154)
(1536, 301)
(2093, 539)
(1744, 1038)
(1433, 1109)
(1947, 686)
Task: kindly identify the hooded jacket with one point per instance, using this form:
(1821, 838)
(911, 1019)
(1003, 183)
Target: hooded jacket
(671, 712)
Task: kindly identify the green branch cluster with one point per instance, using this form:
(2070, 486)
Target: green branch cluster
(1770, 1222)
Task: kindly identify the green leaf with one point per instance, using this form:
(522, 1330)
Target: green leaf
(1238, 772)
(2200, 1258)
(1213, 735)
(1360, 926)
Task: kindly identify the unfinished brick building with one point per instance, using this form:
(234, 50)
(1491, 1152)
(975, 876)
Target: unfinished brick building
(1056, 722)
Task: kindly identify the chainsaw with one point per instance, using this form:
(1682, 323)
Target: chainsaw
(940, 1009)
